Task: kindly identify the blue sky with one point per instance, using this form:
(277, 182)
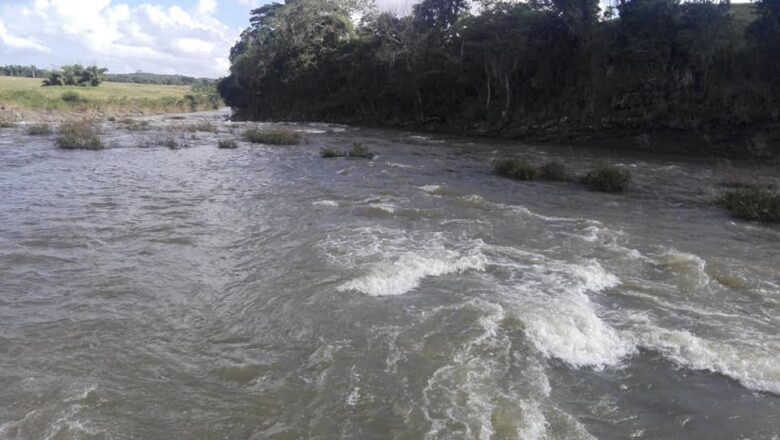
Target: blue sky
(191, 37)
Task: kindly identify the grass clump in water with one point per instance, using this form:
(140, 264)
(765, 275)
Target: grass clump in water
(173, 140)
(39, 130)
(227, 144)
(515, 169)
(358, 151)
(553, 170)
(753, 202)
(608, 178)
(329, 153)
(272, 137)
(205, 126)
(134, 125)
(79, 135)
(7, 124)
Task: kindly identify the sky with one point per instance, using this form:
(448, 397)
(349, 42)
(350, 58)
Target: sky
(190, 37)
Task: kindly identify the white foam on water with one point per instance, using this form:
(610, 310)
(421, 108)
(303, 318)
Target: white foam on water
(463, 390)
(401, 165)
(394, 262)
(533, 423)
(689, 267)
(431, 189)
(384, 206)
(754, 364)
(403, 274)
(551, 298)
(330, 203)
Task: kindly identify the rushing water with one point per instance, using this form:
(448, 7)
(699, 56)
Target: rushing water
(265, 292)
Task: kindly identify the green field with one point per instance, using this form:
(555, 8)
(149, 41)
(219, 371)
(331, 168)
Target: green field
(27, 95)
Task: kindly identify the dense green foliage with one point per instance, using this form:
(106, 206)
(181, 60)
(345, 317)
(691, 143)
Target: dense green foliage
(79, 135)
(76, 75)
(542, 68)
(607, 178)
(753, 202)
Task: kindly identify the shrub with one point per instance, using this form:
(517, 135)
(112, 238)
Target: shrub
(330, 153)
(272, 137)
(227, 144)
(133, 125)
(206, 126)
(171, 139)
(73, 97)
(607, 178)
(515, 169)
(360, 151)
(39, 130)
(553, 170)
(753, 202)
(79, 135)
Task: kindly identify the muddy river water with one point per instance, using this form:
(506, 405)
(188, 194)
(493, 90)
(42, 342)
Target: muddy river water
(267, 293)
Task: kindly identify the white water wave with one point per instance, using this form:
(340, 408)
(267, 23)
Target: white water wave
(403, 274)
(754, 364)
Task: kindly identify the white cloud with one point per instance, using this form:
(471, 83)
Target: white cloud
(17, 42)
(123, 37)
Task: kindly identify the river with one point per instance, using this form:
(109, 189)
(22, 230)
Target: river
(267, 293)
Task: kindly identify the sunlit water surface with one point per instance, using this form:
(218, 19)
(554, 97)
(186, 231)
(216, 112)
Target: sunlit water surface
(266, 293)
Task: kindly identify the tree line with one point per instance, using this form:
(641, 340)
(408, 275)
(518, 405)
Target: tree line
(76, 75)
(155, 78)
(22, 71)
(513, 68)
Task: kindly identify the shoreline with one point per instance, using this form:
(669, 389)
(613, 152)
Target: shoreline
(757, 143)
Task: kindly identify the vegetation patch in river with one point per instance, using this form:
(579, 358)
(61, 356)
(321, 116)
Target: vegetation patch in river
(39, 130)
(608, 178)
(205, 126)
(753, 202)
(6, 124)
(272, 137)
(515, 169)
(172, 139)
(358, 151)
(227, 144)
(134, 125)
(79, 135)
(553, 170)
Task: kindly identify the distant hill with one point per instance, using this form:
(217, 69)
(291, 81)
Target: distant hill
(155, 78)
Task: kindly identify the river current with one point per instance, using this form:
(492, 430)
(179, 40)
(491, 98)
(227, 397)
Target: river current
(267, 293)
